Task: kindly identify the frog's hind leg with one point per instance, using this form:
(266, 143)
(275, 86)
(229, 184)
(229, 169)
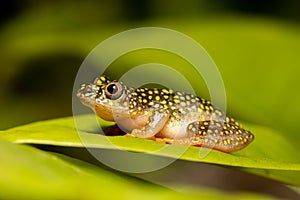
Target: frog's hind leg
(222, 136)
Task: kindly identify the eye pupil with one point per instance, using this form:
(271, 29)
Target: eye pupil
(112, 89)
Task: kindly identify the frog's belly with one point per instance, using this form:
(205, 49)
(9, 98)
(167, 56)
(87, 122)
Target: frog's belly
(174, 129)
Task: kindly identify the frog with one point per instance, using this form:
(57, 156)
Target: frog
(164, 115)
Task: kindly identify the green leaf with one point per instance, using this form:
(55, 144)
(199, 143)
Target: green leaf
(29, 173)
(278, 158)
(36, 174)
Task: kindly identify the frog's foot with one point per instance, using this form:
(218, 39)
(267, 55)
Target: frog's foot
(133, 136)
(164, 140)
(143, 133)
(129, 135)
(137, 133)
(176, 141)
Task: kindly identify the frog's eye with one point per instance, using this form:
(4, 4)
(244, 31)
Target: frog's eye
(114, 90)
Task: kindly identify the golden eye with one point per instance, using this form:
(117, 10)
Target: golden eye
(114, 90)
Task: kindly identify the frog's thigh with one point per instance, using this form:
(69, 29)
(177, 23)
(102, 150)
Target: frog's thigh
(154, 124)
(174, 129)
(221, 136)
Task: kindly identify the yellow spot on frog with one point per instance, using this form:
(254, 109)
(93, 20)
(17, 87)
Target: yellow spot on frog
(102, 78)
(176, 101)
(165, 91)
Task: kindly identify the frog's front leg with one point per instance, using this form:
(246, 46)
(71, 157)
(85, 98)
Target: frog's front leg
(156, 121)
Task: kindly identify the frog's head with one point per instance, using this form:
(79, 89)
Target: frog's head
(106, 97)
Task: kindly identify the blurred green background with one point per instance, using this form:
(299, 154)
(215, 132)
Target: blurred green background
(255, 44)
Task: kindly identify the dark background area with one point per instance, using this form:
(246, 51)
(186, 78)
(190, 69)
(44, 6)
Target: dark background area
(141, 10)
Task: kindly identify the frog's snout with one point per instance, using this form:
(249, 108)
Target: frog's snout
(88, 91)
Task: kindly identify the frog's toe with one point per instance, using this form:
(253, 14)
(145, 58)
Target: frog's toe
(136, 133)
(129, 135)
(164, 140)
(142, 133)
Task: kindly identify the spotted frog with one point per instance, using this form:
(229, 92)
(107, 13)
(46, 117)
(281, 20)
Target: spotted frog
(164, 115)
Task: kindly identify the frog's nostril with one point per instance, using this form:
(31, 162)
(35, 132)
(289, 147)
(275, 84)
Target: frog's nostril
(87, 89)
(83, 90)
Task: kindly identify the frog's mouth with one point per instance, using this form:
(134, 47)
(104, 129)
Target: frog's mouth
(88, 94)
